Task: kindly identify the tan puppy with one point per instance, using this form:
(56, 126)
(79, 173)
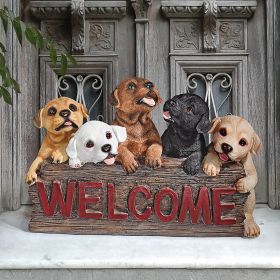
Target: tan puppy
(61, 117)
(235, 140)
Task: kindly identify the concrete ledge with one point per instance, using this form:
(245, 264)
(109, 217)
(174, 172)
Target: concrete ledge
(21, 249)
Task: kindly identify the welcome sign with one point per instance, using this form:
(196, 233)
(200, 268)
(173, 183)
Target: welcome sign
(99, 199)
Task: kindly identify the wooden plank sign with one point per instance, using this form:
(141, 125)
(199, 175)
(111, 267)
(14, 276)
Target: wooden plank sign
(102, 199)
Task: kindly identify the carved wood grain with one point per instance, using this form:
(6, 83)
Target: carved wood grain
(171, 175)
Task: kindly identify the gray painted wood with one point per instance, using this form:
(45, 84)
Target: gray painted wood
(257, 97)
(11, 170)
(273, 116)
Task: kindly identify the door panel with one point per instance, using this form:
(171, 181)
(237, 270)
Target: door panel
(168, 42)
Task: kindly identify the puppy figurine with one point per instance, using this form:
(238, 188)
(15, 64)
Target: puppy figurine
(95, 141)
(134, 99)
(61, 117)
(188, 118)
(235, 140)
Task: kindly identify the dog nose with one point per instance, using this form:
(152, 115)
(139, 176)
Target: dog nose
(64, 113)
(106, 148)
(226, 148)
(148, 85)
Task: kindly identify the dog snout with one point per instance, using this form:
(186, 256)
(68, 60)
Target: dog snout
(64, 113)
(226, 148)
(106, 148)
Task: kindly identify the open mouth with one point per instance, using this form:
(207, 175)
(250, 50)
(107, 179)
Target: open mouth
(110, 159)
(67, 123)
(223, 157)
(167, 117)
(147, 101)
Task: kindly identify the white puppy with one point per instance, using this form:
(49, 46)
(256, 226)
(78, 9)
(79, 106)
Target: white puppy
(95, 141)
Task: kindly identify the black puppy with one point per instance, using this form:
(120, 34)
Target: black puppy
(188, 117)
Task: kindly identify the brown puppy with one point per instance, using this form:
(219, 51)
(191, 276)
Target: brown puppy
(61, 117)
(134, 99)
(234, 139)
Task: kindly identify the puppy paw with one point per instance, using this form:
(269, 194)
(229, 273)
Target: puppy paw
(31, 177)
(242, 186)
(210, 169)
(251, 229)
(58, 157)
(75, 163)
(153, 162)
(130, 165)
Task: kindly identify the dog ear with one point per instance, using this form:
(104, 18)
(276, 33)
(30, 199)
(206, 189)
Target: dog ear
(214, 124)
(204, 124)
(114, 100)
(71, 149)
(84, 111)
(257, 144)
(38, 119)
(120, 132)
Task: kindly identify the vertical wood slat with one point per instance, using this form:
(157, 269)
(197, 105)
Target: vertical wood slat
(10, 130)
(273, 73)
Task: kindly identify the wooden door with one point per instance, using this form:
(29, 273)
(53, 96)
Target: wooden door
(212, 48)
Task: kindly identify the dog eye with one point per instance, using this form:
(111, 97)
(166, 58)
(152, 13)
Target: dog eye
(89, 144)
(108, 135)
(73, 107)
(148, 85)
(242, 142)
(189, 109)
(131, 86)
(52, 111)
(223, 132)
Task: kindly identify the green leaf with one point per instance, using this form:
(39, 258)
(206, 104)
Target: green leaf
(31, 35)
(39, 40)
(6, 95)
(71, 59)
(2, 47)
(64, 63)
(23, 26)
(2, 61)
(53, 54)
(5, 20)
(7, 80)
(17, 27)
(9, 12)
(2, 73)
(15, 85)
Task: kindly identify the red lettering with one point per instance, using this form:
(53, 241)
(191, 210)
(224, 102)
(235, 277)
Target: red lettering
(174, 204)
(202, 206)
(218, 219)
(85, 199)
(56, 199)
(131, 203)
(111, 205)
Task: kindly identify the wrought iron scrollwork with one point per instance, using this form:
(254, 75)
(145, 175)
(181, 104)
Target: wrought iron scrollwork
(80, 81)
(209, 79)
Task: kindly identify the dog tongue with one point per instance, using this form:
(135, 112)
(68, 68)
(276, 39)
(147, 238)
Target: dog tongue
(224, 157)
(150, 101)
(109, 160)
(68, 123)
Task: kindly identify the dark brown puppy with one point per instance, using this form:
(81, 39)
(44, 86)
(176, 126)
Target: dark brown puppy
(134, 99)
